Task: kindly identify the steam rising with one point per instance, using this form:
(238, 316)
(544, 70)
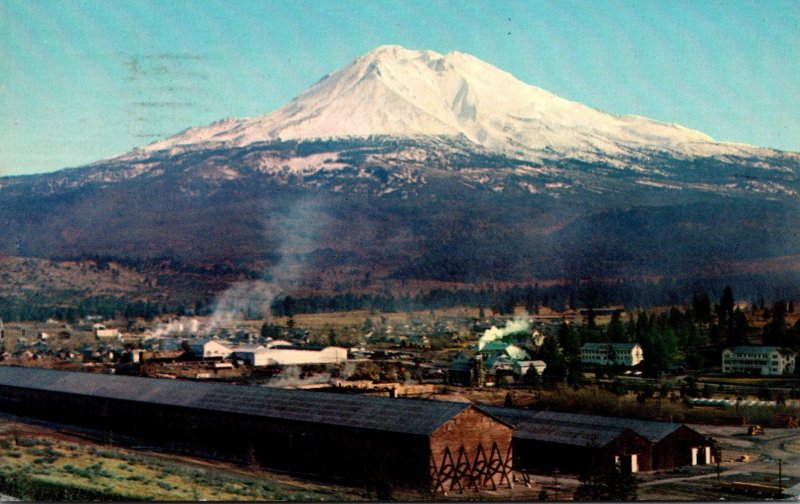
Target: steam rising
(181, 326)
(244, 300)
(291, 378)
(252, 299)
(494, 334)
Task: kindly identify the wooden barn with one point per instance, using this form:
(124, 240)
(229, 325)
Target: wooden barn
(673, 444)
(544, 443)
(666, 445)
(375, 441)
(681, 446)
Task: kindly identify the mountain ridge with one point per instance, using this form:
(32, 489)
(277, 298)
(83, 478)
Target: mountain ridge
(436, 204)
(394, 91)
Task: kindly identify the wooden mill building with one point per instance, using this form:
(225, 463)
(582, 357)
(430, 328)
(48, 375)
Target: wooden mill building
(575, 440)
(430, 445)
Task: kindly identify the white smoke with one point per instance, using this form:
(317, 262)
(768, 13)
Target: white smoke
(243, 301)
(184, 326)
(253, 299)
(290, 378)
(494, 334)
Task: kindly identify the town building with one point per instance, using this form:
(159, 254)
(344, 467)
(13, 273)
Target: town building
(467, 370)
(434, 446)
(522, 367)
(208, 349)
(257, 355)
(575, 440)
(608, 354)
(502, 348)
(758, 360)
(102, 332)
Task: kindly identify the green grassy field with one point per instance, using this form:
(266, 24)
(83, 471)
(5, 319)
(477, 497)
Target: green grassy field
(110, 474)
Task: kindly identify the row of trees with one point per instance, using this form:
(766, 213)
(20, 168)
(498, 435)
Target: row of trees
(40, 308)
(691, 337)
(504, 301)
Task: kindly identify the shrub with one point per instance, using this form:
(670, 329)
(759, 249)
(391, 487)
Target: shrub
(52, 452)
(45, 460)
(29, 488)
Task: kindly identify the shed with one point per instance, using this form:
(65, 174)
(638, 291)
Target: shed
(544, 443)
(671, 444)
(208, 349)
(437, 445)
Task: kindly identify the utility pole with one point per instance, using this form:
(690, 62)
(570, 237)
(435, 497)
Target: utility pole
(718, 456)
(555, 481)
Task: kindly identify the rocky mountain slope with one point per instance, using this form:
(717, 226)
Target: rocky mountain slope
(412, 164)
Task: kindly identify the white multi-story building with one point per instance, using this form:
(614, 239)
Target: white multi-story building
(606, 354)
(762, 360)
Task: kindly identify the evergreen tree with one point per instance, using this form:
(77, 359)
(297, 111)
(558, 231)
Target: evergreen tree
(622, 484)
(701, 306)
(569, 340)
(775, 332)
(556, 370)
(725, 307)
(575, 372)
(739, 332)
(532, 377)
(659, 346)
(610, 484)
(591, 486)
(616, 331)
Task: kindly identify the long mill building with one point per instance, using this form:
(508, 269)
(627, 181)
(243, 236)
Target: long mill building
(431, 445)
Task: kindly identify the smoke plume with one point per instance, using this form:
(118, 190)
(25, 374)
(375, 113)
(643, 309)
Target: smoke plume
(511, 327)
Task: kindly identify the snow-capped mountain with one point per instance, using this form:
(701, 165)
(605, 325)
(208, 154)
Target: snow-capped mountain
(413, 164)
(397, 92)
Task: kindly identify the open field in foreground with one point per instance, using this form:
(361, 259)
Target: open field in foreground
(39, 458)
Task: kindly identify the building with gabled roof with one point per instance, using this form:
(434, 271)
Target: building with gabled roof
(759, 360)
(669, 445)
(503, 348)
(209, 349)
(572, 446)
(436, 445)
(607, 354)
(257, 355)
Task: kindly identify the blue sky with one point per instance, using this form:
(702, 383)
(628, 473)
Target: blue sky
(84, 80)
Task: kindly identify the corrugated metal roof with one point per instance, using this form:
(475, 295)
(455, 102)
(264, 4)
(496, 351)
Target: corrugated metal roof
(529, 425)
(411, 416)
(648, 429)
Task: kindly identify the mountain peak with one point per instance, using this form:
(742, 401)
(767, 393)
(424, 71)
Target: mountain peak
(395, 91)
(398, 52)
